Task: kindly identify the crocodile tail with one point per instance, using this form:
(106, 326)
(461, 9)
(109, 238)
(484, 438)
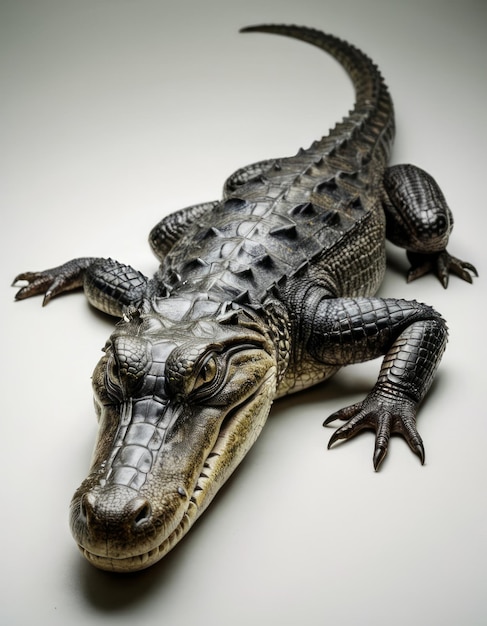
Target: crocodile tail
(369, 85)
(373, 113)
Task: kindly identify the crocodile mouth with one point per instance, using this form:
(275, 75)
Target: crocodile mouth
(146, 559)
(237, 434)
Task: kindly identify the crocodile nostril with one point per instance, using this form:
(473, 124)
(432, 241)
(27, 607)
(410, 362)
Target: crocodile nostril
(116, 511)
(142, 511)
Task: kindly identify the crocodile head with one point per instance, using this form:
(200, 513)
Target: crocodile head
(179, 406)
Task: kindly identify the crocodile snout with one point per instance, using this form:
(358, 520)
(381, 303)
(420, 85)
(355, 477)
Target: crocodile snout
(127, 516)
(113, 522)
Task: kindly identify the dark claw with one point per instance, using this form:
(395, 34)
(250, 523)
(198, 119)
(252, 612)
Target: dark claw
(330, 419)
(407, 429)
(334, 438)
(465, 276)
(419, 271)
(462, 270)
(37, 283)
(356, 423)
(379, 455)
(444, 280)
(53, 281)
(442, 264)
(470, 268)
(442, 270)
(384, 415)
(343, 414)
(17, 279)
(418, 449)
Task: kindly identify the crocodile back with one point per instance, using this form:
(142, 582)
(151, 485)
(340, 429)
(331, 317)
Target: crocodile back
(316, 214)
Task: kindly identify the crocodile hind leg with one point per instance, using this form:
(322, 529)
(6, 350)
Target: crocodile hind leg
(419, 220)
(109, 286)
(247, 174)
(412, 337)
(172, 227)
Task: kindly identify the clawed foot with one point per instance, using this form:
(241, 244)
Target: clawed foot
(442, 264)
(384, 415)
(53, 281)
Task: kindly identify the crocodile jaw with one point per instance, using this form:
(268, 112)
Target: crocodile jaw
(237, 435)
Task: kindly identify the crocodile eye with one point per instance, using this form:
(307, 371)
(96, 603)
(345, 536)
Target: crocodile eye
(207, 374)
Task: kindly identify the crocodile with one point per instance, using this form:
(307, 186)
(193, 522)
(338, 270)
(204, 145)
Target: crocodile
(260, 294)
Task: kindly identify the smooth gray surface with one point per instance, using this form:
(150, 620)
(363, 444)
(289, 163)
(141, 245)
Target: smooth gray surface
(117, 112)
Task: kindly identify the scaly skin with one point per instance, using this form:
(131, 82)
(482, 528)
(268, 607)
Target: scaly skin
(258, 295)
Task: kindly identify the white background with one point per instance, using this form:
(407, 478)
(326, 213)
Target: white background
(116, 112)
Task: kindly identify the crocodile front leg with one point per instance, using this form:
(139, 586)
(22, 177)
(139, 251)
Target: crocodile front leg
(108, 285)
(419, 220)
(412, 337)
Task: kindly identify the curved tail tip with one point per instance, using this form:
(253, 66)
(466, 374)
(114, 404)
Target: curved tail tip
(249, 29)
